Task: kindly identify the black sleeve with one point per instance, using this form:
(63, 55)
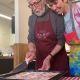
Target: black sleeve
(60, 28)
(31, 30)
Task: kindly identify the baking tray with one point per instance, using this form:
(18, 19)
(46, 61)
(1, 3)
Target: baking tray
(22, 69)
(36, 75)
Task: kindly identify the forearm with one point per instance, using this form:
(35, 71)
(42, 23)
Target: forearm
(56, 50)
(32, 47)
(30, 55)
(46, 62)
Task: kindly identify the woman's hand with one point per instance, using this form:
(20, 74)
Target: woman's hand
(46, 63)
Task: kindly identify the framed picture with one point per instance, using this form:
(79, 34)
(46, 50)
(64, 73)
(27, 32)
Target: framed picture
(75, 0)
(74, 60)
(76, 18)
(73, 23)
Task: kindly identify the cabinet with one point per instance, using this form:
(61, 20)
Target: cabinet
(6, 64)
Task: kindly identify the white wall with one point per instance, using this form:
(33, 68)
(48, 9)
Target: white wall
(6, 11)
(22, 13)
(5, 31)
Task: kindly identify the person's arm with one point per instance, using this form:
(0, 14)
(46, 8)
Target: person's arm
(46, 62)
(60, 28)
(60, 42)
(30, 55)
(56, 50)
(31, 47)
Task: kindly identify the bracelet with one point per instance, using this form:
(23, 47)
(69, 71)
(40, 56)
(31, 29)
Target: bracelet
(51, 55)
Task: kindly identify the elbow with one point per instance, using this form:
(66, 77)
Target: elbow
(61, 44)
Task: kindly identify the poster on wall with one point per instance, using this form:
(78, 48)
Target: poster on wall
(73, 23)
(74, 60)
(75, 0)
(73, 37)
(76, 18)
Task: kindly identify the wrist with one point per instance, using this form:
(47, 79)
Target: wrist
(51, 55)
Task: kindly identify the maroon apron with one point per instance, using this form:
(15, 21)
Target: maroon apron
(45, 42)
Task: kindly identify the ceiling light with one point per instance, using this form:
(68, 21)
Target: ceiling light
(6, 17)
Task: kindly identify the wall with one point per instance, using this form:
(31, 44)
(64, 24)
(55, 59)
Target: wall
(5, 31)
(6, 38)
(4, 9)
(22, 13)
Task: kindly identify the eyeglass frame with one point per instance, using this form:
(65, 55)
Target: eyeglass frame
(33, 5)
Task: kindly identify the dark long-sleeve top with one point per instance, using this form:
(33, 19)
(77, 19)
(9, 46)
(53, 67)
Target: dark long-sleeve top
(58, 27)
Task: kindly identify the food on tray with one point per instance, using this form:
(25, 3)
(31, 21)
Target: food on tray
(34, 75)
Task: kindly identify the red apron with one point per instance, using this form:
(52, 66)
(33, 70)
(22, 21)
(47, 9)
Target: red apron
(45, 42)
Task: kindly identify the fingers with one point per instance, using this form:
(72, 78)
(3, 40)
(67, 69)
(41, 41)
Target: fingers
(40, 69)
(27, 55)
(44, 67)
(46, 64)
(30, 56)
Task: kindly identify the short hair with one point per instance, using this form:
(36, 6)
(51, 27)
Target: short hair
(51, 1)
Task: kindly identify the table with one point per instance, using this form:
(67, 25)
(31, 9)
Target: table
(70, 78)
(39, 75)
(36, 75)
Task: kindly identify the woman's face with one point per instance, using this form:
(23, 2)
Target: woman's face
(58, 6)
